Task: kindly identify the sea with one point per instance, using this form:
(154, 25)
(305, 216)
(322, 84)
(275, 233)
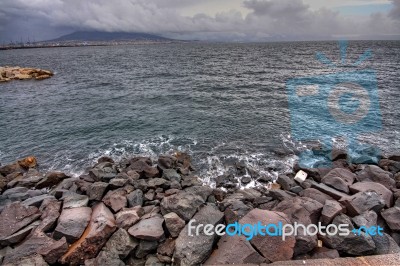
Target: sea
(219, 102)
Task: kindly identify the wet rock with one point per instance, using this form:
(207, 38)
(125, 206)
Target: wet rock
(116, 199)
(97, 190)
(330, 210)
(194, 249)
(145, 247)
(166, 162)
(234, 250)
(127, 218)
(385, 193)
(148, 229)
(16, 216)
(72, 223)
(100, 228)
(37, 201)
(103, 172)
(120, 244)
(144, 168)
(366, 219)
(375, 174)
(392, 217)
(184, 204)
(336, 182)
(315, 195)
(135, 198)
(385, 244)
(171, 175)
(362, 202)
(174, 223)
(51, 179)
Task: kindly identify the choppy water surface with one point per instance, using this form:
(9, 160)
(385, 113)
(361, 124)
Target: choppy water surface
(216, 101)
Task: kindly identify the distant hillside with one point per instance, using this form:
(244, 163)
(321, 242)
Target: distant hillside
(107, 36)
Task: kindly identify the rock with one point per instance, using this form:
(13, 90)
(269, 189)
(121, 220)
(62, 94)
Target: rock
(315, 195)
(37, 201)
(157, 182)
(389, 165)
(194, 249)
(50, 209)
(385, 193)
(127, 218)
(103, 172)
(38, 243)
(285, 182)
(15, 217)
(375, 174)
(148, 229)
(335, 194)
(11, 168)
(171, 175)
(145, 247)
(4, 252)
(202, 191)
(118, 183)
(184, 204)
(392, 217)
(116, 199)
(51, 179)
(106, 258)
(280, 194)
(236, 211)
(167, 248)
(190, 181)
(330, 210)
(153, 261)
(97, 190)
(72, 223)
(366, 219)
(362, 202)
(135, 198)
(18, 236)
(234, 250)
(100, 228)
(174, 223)
(336, 182)
(15, 190)
(325, 253)
(75, 201)
(385, 244)
(166, 162)
(304, 210)
(28, 162)
(272, 248)
(120, 244)
(144, 168)
(36, 260)
(347, 176)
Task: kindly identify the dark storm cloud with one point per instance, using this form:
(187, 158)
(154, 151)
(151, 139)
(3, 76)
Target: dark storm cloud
(265, 19)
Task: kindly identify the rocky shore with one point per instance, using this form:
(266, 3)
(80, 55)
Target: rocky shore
(19, 73)
(137, 212)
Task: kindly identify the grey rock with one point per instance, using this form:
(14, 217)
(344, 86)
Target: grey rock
(135, 198)
(75, 201)
(184, 204)
(366, 219)
(37, 201)
(148, 229)
(174, 223)
(72, 223)
(97, 190)
(171, 175)
(120, 244)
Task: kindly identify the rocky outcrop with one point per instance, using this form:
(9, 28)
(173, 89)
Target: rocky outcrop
(18, 73)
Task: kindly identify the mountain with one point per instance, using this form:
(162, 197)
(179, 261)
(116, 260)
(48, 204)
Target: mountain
(98, 36)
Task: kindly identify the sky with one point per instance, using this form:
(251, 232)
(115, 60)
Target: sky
(212, 20)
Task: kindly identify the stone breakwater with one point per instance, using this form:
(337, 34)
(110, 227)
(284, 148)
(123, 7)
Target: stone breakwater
(19, 73)
(137, 212)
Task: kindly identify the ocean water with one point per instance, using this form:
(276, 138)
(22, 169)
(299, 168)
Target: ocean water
(219, 102)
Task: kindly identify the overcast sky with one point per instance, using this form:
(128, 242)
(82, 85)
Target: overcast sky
(222, 20)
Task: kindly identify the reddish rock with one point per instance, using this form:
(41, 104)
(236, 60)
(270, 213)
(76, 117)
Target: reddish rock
(144, 168)
(120, 244)
(184, 204)
(335, 194)
(392, 217)
(51, 253)
(97, 190)
(72, 223)
(100, 228)
(148, 229)
(362, 202)
(15, 217)
(167, 248)
(127, 218)
(174, 223)
(234, 250)
(51, 179)
(344, 174)
(385, 193)
(336, 182)
(50, 209)
(325, 253)
(28, 162)
(315, 194)
(271, 247)
(304, 210)
(116, 199)
(330, 210)
(376, 174)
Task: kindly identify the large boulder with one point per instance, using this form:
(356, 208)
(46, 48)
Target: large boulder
(184, 204)
(194, 249)
(385, 193)
(375, 174)
(148, 229)
(344, 174)
(120, 244)
(72, 223)
(15, 217)
(174, 223)
(392, 217)
(330, 210)
(362, 202)
(97, 190)
(315, 195)
(100, 228)
(51, 179)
